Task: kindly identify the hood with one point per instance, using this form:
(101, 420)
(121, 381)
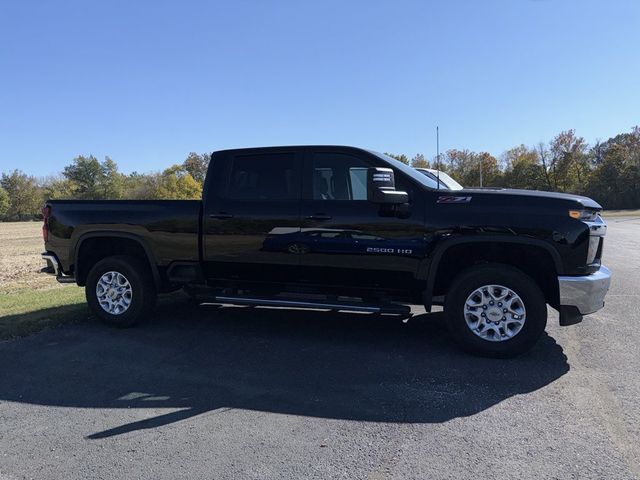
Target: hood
(577, 200)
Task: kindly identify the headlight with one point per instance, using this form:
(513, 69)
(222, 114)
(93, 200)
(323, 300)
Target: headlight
(584, 215)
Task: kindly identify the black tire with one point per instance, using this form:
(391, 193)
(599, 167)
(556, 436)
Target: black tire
(523, 285)
(143, 292)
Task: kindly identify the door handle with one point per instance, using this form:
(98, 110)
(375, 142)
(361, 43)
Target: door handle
(220, 216)
(319, 216)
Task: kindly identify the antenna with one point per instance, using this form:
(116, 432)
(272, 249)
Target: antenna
(438, 156)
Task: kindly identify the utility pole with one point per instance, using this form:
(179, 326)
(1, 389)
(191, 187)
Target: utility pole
(481, 170)
(438, 156)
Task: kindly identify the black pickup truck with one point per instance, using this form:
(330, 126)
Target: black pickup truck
(340, 228)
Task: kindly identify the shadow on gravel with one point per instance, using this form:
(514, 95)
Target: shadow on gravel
(201, 359)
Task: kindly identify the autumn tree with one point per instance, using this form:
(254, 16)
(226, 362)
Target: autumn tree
(522, 169)
(178, 184)
(196, 165)
(419, 161)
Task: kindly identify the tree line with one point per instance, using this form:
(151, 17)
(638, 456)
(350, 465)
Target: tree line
(608, 171)
(87, 178)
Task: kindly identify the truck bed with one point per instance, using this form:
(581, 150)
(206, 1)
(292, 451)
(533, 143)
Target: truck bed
(168, 229)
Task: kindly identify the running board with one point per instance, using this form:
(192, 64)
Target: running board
(392, 308)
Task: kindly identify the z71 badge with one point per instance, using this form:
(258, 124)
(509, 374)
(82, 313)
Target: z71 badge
(453, 199)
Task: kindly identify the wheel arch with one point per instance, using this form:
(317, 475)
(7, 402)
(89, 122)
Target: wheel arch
(543, 260)
(135, 245)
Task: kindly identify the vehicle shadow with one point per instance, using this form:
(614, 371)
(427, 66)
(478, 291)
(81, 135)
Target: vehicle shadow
(332, 365)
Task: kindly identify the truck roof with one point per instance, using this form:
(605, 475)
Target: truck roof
(291, 147)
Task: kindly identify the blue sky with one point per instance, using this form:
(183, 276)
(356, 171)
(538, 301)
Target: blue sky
(146, 82)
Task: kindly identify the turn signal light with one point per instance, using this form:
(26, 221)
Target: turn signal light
(585, 215)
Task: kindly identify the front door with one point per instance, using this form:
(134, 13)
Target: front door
(345, 240)
(251, 210)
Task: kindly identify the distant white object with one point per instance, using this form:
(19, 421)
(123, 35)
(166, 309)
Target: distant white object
(446, 182)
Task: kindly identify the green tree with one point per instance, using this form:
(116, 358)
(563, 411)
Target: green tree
(401, 158)
(93, 180)
(25, 196)
(615, 181)
(4, 203)
(56, 188)
(569, 166)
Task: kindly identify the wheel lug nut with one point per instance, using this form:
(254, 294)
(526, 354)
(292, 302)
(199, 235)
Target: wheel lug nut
(500, 304)
(490, 303)
(484, 307)
(484, 314)
(504, 310)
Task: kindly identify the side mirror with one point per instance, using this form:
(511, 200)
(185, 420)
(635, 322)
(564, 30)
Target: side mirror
(381, 187)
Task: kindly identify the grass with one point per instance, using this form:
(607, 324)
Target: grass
(28, 311)
(29, 300)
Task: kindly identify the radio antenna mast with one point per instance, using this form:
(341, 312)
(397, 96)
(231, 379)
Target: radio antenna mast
(438, 156)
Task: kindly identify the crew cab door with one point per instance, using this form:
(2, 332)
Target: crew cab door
(347, 241)
(253, 197)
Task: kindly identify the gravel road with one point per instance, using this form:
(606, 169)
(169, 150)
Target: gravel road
(206, 392)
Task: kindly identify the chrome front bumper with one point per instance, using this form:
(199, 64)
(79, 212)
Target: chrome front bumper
(585, 293)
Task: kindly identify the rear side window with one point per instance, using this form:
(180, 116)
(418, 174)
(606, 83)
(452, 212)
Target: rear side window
(336, 176)
(264, 177)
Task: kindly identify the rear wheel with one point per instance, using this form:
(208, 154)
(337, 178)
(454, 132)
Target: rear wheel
(120, 290)
(495, 311)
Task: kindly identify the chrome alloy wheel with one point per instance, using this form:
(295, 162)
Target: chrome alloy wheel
(114, 293)
(494, 313)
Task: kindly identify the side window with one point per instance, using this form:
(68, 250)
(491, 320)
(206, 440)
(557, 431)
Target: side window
(358, 179)
(336, 176)
(264, 177)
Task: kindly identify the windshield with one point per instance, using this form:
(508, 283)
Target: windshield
(419, 177)
(446, 181)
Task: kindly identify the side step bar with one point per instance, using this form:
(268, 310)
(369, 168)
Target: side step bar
(391, 308)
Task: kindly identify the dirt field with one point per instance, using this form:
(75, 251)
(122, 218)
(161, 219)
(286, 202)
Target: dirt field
(30, 300)
(20, 263)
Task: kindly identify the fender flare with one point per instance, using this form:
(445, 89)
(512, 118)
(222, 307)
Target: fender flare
(445, 245)
(117, 234)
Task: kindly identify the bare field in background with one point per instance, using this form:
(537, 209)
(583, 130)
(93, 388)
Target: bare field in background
(29, 300)
(20, 247)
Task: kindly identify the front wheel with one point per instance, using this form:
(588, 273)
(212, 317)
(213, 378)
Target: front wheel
(495, 311)
(120, 290)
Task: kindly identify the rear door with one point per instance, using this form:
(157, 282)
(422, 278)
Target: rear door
(347, 240)
(252, 215)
